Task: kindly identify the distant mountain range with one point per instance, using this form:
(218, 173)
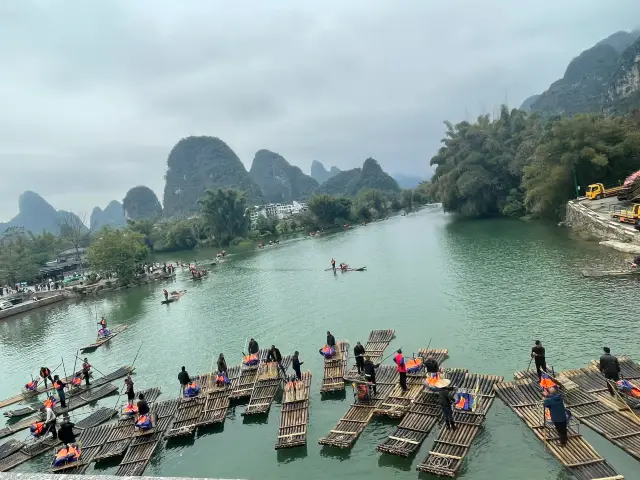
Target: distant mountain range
(111, 216)
(320, 174)
(604, 78)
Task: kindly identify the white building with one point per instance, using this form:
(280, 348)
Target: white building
(277, 210)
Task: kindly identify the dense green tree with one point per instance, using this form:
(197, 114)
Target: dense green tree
(267, 225)
(118, 251)
(330, 211)
(224, 211)
(180, 235)
(22, 254)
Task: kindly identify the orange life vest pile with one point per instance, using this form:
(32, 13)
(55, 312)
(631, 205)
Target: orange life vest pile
(250, 360)
(77, 380)
(191, 390)
(129, 410)
(50, 402)
(37, 429)
(31, 386)
(144, 422)
(67, 455)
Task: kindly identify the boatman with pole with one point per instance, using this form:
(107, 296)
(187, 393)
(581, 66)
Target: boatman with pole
(86, 370)
(370, 373)
(331, 340)
(222, 364)
(538, 355)
(610, 368)
(558, 414)
(59, 386)
(253, 347)
(402, 369)
(446, 396)
(358, 352)
(295, 363)
(183, 378)
(45, 374)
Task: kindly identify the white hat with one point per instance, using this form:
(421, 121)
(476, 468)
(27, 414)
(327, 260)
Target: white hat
(443, 382)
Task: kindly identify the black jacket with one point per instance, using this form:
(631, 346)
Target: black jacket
(143, 407)
(358, 350)
(183, 377)
(609, 364)
(274, 355)
(369, 369)
(331, 340)
(296, 363)
(538, 353)
(65, 433)
(253, 347)
(222, 365)
(446, 396)
(431, 365)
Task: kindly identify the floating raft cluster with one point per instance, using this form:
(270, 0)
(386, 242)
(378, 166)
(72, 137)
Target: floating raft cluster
(247, 379)
(120, 436)
(335, 369)
(266, 386)
(377, 343)
(22, 452)
(451, 447)
(422, 416)
(578, 457)
(137, 458)
(294, 415)
(217, 400)
(77, 402)
(398, 402)
(360, 414)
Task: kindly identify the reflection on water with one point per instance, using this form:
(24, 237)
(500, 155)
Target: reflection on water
(485, 290)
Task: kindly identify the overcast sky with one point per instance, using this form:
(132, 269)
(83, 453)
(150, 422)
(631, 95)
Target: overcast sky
(95, 94)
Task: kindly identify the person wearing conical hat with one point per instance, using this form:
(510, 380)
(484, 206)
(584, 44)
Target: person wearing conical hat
(446, 396)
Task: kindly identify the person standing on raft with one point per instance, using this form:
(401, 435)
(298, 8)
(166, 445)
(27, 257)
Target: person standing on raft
(183, 378)
(65, 431)
(166, 295)
(59, 386)
(253, 347)
(274, 355)
(131, 395)
(369, 370)
(50, 423)
(333, 265)
(538, 355)
(45, 374)
(558, 414)
(143, 406)
(358, 352)
(402, 369)
(86, 370)
(331, 340)
(610, 368)
(446, 396)
(103, 323)
(295, 363)
(431, 364)
(222, 364)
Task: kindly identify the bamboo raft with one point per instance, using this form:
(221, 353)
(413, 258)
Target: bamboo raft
(335, 369)
(451, 447)
(121, 372)
(360, 414)
(141, 449)
(268, 382)
(31, 450)
(189, 410)
(247, 378)
(80, 401)
(377, 343)
(578, 457)
(628, 368)
(217, 400)
(294, 415)
(399, 402)
(114, 332)
(422, 416)
(121, 434)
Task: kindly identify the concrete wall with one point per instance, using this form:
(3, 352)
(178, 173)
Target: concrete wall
(25, 307)
(597, 224)
(46, 476)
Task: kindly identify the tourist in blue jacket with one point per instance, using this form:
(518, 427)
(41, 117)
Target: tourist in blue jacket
(558, 414)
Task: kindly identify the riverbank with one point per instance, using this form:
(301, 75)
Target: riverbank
(38, 300)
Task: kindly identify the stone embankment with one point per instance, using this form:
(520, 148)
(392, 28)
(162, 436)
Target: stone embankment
(43, 299)
(592, 217)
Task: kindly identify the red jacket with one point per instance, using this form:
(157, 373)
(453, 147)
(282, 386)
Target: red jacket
(399, 359)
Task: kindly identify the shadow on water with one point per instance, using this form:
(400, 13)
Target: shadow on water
(262, 419)
(178, 443)
(107, 463)
(288, 455)
(210, 429)
(341, 454)
(393, 461)
(337, 395)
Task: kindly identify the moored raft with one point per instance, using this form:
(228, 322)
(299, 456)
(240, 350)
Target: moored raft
(335, 369)
(113, 332)
(422, 416)
(451, 447)
(294, 415)
(190, 409)
(377, 343)
(398, 402)
(578, 457)
(248, 374)
(266, 386)
(217, 400)
(353, 423)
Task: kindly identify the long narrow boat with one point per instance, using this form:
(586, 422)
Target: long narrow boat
(115, 331)
(610, 273)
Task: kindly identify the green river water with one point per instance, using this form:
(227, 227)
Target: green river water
(483, 289)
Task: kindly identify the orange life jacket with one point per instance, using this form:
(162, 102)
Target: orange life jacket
(49, 402)
(38, 428)
(57, 385)
(399, 359)
(76, 380)
(62, 453)
(461, 403)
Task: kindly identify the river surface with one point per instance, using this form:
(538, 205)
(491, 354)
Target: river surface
(483, 289)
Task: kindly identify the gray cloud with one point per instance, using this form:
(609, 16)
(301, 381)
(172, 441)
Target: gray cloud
(95, 94)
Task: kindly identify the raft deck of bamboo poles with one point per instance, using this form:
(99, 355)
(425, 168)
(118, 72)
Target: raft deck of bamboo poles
(80, 401)
(217, 399)
(353, 423)
(377, 343)
(141, 450)
(247, 378)
(294, 415)
(422, 416)
(122, 432)
(267, 384)
(121, 372)
(451, 447)
(335, 369)
(190, 410)
(399, 402)
(40, 446)
(578, 457)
